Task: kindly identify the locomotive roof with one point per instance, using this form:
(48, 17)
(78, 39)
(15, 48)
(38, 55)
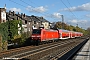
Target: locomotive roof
(46, 29)
(63, 30)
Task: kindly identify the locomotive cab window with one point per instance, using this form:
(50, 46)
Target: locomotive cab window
(36, 31)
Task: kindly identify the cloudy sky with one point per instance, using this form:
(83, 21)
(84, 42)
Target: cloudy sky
(74, 11)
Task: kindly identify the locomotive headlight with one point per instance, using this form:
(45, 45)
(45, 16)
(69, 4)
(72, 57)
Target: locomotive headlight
(38, 36)
(33, 36)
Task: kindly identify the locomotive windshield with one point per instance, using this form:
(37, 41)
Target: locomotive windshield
(36, 31)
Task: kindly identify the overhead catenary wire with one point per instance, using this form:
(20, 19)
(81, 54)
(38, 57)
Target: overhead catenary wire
(65, 5)
(45, 12)
(25, 6)
(68, 9)
(37, 5)
(70, 5)
(19, 4)
(31, 6)
(40, 13)
(34, 7)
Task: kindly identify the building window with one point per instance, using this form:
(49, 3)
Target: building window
(3, 20)
(34, 22)
(3, 15)
(29, 22)
(25, 21)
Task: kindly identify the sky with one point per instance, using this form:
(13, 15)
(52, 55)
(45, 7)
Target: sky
(74, 11)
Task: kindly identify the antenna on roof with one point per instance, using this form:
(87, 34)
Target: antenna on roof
(5, 6)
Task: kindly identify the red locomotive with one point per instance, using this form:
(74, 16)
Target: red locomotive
(40, 35)
(43, 35)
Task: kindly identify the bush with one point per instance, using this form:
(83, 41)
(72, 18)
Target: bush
(4, 31)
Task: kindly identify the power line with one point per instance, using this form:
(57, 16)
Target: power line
(68, 8)
(31, 6)
(34, 7)
(23, 5)
(17, 3)
(45, 12)
(69, 4)
(26, 3)
(33, 2)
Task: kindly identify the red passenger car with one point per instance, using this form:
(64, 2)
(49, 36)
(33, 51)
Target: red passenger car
(81, 34)
(72, 34)
(64, 34)
(78, 34)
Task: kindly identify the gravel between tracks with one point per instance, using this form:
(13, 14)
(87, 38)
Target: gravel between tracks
(42, 51)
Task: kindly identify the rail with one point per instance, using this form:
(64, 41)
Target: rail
(41, 51)
(72, 53)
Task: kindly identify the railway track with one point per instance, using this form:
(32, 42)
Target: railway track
(60, 52)
(46, 51)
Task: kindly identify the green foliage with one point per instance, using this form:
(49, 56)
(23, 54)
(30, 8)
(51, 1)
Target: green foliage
(88, 31)
(20, 39)
(4, 30)
(24, 36)
(13, 28)
(9, 29)
(9, 32)
(58, 25)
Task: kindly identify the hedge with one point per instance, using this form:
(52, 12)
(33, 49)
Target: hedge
(9, 29)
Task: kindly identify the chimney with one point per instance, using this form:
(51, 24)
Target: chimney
(9, 12)
(41, 17)
(21, 15)
(24, 15)
(13, 13)
(18, 13)
(5, 6)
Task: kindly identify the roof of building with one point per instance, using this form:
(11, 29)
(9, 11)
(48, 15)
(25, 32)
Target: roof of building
(22, 16)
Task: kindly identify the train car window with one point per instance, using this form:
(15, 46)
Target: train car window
(36, 31)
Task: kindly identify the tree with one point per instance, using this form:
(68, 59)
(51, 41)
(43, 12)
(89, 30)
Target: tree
(4, 31)
(88, 31)
(58, 25)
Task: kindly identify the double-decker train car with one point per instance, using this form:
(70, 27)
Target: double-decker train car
(44, 35)
(72, 34)
(78, 34)
(63, 34)
(81, 34)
